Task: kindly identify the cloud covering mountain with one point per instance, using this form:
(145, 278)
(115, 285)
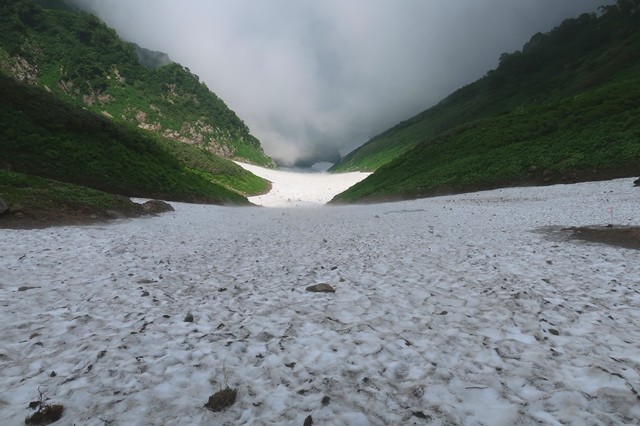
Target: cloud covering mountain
(312, 78)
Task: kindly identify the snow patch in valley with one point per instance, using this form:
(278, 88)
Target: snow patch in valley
(456, 309)
(294, 189)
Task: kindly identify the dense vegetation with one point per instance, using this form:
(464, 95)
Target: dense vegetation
(45, 202)
(564, 108)
(44, 136)
(215, 168)
(60, 71)
(75, 56)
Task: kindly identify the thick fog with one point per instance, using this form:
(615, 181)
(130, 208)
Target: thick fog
(312, 78)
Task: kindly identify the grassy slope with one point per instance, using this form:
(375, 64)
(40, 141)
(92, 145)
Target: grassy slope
(216, 169)
(77, 57)
(586, 138)
(43, 202)
(563, 107)
(44, 136)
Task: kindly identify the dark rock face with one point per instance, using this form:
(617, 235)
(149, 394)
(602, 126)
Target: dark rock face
(4, 207)
(156, 206)
(636, 182)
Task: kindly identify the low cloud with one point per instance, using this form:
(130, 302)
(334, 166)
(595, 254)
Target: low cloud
(313, 78)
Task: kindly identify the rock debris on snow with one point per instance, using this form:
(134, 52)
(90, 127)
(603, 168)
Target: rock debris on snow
(222, 399)
(321, 288)
(512, 349)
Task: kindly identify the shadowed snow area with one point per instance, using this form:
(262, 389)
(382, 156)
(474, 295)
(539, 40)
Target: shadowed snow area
(296, 189)
(448, 310)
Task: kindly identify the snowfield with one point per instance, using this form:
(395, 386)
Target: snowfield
(292, 189)
(470, 309)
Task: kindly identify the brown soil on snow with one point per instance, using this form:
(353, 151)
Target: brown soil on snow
(621, 236)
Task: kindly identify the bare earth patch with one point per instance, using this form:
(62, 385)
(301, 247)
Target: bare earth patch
(622, 236)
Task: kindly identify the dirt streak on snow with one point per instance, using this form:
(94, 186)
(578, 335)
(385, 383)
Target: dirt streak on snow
(455, 307)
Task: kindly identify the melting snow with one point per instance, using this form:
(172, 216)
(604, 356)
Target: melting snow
(291, 189)
(449, 310)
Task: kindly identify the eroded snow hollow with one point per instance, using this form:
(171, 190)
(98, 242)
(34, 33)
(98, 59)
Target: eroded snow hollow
(450, 310)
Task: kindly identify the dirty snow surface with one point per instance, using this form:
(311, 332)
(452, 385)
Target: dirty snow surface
(465, 309)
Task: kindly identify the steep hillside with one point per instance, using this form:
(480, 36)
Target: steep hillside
(44, 136)
(562, 109)
(74, 55)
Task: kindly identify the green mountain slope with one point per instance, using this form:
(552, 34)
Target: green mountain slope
(44, 136)
(562, 109)
(75, 56)
(35, 202)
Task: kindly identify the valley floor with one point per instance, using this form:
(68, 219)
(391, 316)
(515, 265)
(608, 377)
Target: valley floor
(472, 309)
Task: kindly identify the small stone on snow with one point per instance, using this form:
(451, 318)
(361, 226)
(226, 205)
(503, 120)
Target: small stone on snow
(321, 288)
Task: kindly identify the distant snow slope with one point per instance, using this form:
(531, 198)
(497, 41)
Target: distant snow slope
(450, 310)
(291, 189)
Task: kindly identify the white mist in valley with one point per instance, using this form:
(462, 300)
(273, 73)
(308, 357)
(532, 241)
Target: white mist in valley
(315, 79)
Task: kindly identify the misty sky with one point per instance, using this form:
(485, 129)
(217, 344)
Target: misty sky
(317, 76)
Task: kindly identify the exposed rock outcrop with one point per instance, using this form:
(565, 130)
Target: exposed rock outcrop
(156, 207)
(21, 69)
